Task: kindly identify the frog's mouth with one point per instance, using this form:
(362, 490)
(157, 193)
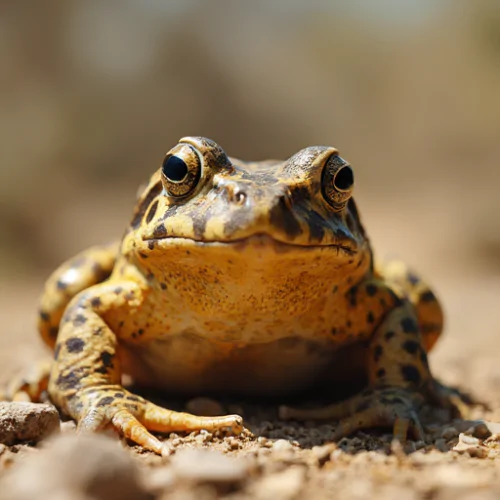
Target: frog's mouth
(346, 247)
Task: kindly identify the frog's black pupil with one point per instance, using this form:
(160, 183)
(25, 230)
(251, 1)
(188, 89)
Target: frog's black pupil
(175, 169)
(344, 178)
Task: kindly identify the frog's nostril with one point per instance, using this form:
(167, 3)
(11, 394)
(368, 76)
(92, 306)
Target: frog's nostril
(239, 197)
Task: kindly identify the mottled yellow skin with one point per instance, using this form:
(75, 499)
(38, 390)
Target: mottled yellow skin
(243, 278)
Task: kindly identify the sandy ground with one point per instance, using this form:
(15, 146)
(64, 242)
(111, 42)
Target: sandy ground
(459, 459)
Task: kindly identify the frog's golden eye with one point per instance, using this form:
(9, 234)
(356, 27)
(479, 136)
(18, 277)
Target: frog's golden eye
(181, 171)
(337, 181)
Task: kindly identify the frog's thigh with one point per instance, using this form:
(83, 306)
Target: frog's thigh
(398, 370)
(410, 286)
(86, 378)
(86, 269)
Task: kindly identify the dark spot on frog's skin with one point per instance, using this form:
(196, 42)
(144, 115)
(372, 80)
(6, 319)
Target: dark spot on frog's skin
(411, 347)
(370, 317)
(428, 296)
(134, 398)
(316, 225)
(57, 350)
(118, 395)
(146, 201)
(121, 323)
(143, 255)
(380, 373)
(351, 296)
(411, 374)
(44, 316)
(412, 278)
(163, 286)
(129, 295)
(96, 302)
(334, 331)
(54, 330)
(61, 285)
(377, 352)
(409, 325)
(200, 224)
(150, 276)
(118, 290)
(105, 401)
(160, 231)
(75, 345)
(335, 288)
(348, 323)
(151, 244)
(423, 357)
(382, 302)
(283, 218)
(70, 380)
(79, 319)
(140, 331)
(106, 359)
(152, 212)
(388, 335)
(371, 289)
(98, 330)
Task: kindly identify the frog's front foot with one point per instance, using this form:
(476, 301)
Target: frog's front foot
(385, 407)
(133, 416)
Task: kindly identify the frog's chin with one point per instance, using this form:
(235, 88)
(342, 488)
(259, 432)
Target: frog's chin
(346, 247)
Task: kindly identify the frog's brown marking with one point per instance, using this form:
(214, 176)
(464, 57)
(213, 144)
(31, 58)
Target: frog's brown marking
(258, 280)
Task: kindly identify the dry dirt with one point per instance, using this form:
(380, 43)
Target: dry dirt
(279, 460)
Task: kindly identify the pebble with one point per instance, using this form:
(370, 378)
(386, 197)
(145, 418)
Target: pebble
(282, 445)
(22, 421)
(208, 466)
(70, 466)
(449, 433)
(470, 445)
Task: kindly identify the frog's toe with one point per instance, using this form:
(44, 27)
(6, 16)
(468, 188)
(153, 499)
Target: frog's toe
(387, 407)
(133, 417)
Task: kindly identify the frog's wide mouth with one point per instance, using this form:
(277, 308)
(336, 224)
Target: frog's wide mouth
(347, 247)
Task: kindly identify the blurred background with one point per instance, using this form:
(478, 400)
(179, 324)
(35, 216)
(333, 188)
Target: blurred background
(93, 93)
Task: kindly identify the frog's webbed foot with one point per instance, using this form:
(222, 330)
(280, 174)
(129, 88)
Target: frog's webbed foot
(385, 407)
(133, 417)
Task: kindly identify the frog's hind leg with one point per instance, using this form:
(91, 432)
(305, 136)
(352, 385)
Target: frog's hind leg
(399, 382)
(409, 285)
(87, 268)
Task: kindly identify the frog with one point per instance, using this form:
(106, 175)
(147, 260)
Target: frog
(239, 278)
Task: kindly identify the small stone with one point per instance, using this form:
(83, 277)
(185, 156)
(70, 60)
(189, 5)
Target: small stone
(205, 406)
(71, 466)
(208, 466)
(481, 430)
(470, 445)
(282, 445)
(22, 421)
(322, 453)
(441, 445)
(262, 440)
(449, 433)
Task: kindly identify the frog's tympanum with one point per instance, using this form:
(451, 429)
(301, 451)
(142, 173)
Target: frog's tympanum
(246, 279)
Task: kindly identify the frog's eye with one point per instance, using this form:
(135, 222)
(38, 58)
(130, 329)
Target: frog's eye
(337, 181)
(181, 170)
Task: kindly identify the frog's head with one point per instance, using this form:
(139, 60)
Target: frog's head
(201, 199)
